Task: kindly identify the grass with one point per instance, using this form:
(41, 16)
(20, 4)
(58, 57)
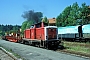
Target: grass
(78, 47)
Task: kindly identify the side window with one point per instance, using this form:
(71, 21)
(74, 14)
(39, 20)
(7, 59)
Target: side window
(38, 25)
(32, 27)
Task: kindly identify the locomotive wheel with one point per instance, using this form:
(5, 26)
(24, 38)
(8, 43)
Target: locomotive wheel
(23, 42)
(47, 46)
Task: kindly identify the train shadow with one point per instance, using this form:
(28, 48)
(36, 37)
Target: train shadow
(54, 48)
(60, 47)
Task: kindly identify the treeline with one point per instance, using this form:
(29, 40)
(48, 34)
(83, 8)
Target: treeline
(8, 29)
(74, 15)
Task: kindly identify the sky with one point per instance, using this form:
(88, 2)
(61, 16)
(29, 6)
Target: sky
(11, 10)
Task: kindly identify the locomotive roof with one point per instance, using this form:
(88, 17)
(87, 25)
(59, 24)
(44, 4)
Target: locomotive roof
(51, 26)
(40, 23)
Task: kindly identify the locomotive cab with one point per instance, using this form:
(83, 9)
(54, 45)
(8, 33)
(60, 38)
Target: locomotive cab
(51, 37)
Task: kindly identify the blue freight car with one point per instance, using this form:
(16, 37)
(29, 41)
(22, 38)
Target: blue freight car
(86, 31)
(74, 32)
(68, 32)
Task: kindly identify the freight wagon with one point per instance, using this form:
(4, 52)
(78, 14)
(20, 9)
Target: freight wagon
(13, 37)
(74, 33)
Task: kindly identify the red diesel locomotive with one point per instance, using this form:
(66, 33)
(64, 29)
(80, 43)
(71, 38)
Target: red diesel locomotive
(41, 34)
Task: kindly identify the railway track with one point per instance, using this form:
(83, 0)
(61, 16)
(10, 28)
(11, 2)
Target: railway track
(4, 55)
(73, 53)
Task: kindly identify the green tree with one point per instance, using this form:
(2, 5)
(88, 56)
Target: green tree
(62, 20)
(84, 13)
(45, 20)
(73, 14)
(29, 24)
(59, 20)
(23, 27)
